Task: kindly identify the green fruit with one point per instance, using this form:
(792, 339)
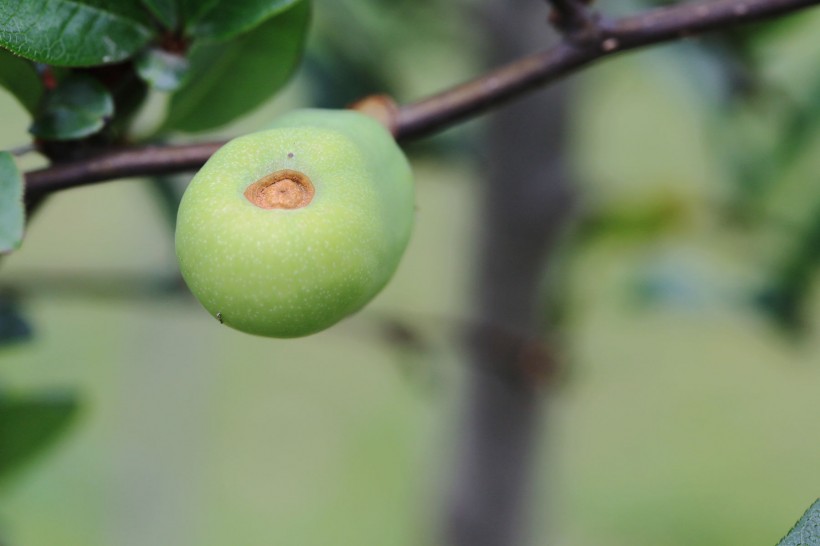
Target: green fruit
(286, 231)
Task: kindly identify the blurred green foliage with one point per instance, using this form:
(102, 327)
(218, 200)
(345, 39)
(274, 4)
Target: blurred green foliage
(29, 423)
(759, 134)
(12, 215)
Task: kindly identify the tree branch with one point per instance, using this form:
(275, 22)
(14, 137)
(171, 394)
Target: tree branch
(129, 162)
(655, 26)
(572, 18)
(464, 101)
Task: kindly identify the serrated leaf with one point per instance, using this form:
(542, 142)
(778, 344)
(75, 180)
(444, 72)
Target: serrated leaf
(228, 80)
(161, 69)
(227, 18)
(12, 212)
(806, 532)
(28, 425)
(78, 107)
(20, 78)
(74, 32)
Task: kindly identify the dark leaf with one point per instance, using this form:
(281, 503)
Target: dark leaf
(191, 11)
(787, 292)
(78, 107)
(806, 532)
(166, 12)
(12, 213)
(228, 18)
(231, 79)
(30, 424)
(74, 32)
(783, 303)
(13, 327)
(800, 126)
(20, 78)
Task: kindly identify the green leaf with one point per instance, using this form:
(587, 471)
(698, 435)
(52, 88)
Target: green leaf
(20, 78)
(12, 213)
(78, 107)
(74, 32)
(193, 10)
(28, 425)
(162, 69)
(166, 11)
(806, 532)
(228, 80)
(227, 18)
(800, 125)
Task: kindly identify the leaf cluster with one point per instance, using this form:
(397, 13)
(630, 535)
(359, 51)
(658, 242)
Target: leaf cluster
(83, 70)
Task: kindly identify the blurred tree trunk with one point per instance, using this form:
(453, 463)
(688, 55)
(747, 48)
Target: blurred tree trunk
(526, 204)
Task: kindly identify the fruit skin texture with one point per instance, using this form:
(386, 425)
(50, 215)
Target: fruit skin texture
(292, 272)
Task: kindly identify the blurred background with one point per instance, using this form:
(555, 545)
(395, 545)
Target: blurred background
(679, 296)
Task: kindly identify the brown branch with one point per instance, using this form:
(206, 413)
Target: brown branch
(125, 163)
(572, 18)
(656, 26)
(467, 100)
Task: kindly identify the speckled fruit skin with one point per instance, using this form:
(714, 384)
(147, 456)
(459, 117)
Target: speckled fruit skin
(290, 273)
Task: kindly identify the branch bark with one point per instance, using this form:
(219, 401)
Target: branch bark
(432, 114)
(125, 163)
(571, 17)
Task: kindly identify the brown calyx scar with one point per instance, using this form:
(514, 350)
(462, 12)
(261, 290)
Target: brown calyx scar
(285, 189)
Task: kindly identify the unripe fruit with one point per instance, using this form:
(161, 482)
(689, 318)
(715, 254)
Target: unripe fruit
(286, 231)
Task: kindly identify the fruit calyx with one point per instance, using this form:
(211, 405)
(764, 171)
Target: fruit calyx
(284, 189)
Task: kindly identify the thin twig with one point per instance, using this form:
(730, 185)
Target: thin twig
(464, 101)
